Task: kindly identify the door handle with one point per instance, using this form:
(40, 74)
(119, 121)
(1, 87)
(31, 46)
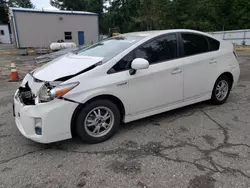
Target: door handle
(212, 61)
(176, 71)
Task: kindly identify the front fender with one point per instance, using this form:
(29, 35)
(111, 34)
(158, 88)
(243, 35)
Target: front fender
(83, 97)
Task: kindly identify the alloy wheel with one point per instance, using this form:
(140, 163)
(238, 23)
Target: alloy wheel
(221, 90)
(99, 121)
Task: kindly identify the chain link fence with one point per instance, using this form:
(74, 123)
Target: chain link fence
(237, 37)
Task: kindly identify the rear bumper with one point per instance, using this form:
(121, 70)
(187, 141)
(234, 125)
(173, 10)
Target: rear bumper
(236, 75)
(55, 117)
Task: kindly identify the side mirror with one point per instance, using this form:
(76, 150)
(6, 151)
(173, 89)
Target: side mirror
(139, 63)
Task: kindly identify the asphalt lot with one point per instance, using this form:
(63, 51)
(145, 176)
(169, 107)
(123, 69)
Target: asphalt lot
(200, 146)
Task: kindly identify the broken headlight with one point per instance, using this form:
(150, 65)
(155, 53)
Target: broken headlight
(53, 90)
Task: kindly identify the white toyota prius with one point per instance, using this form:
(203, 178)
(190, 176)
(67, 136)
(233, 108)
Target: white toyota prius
(123, 79)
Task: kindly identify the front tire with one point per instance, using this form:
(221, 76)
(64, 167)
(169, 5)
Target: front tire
(221, 90)
(97, 121)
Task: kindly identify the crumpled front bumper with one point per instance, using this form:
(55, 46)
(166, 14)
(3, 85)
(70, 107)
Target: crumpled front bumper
(55, 117)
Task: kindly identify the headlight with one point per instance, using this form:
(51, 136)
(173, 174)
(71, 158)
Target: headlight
(49, 91)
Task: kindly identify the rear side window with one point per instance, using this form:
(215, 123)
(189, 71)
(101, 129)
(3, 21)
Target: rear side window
(158, 50)
(213, 44)
(194, 44)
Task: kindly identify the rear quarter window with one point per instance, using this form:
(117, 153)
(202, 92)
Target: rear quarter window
(194, 44)
(214, 45)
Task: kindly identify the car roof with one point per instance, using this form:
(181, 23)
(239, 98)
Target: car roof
(160, 32)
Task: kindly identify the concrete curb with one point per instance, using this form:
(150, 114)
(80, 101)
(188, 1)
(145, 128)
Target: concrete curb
(9, 53)
(243, 49)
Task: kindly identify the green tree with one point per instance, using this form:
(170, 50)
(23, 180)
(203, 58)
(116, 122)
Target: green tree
(3, 12)
(77, 5)
(135, 15)
(20, 3)
(97, 6)
(240, 16)
(4, 6)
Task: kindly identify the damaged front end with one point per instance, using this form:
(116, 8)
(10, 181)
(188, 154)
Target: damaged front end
(47, 82)
(52, 90)
(33, 91)
(25, 95)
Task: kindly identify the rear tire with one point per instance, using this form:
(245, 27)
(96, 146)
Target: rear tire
(97, 121)
(221, 90)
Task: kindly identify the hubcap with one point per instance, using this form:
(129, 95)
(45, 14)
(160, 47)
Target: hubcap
(99, 121)
(221, 90)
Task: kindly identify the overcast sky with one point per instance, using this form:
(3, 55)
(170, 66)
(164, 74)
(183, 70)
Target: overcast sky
(41, 3)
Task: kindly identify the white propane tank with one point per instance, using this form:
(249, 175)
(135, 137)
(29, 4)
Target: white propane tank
(58, 46)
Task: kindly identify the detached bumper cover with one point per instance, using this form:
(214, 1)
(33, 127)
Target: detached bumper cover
(56, 119)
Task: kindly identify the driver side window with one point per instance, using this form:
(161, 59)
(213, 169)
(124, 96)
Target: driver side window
(160, 49)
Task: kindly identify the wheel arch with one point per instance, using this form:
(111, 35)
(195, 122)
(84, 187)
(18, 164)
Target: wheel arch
(112, 98)
(229, 75)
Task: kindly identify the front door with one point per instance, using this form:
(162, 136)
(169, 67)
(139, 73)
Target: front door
(161, 84)
(81, 38)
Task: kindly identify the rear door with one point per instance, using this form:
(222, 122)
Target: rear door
(199, 65)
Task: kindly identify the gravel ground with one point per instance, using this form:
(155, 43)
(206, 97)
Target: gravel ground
(199, 146)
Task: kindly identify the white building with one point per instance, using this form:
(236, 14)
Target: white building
(4, 34)
(39, 28)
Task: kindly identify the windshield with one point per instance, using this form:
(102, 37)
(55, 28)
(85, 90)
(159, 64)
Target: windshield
(110, 48)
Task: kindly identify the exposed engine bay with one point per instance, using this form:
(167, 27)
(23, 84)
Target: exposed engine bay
(29, 97)
(33, 91)
(46, 83)
(25, 95)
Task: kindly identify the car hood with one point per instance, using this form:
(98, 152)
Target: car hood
(67, 65)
